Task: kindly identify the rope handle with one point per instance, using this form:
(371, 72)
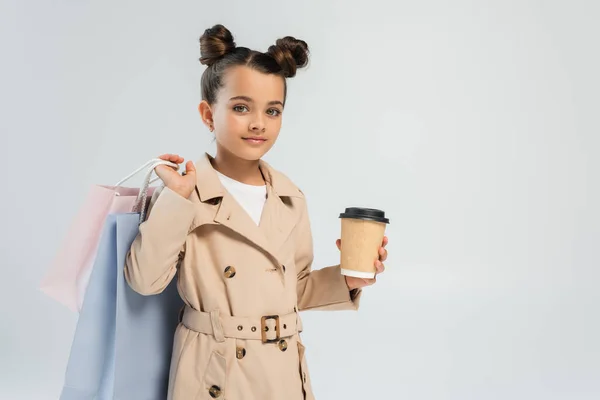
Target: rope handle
(149, 166)
(156, 161)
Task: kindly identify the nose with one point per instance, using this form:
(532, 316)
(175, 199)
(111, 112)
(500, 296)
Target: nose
(257, 125)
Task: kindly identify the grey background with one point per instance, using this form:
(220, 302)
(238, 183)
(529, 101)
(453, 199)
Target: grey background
(474, 124)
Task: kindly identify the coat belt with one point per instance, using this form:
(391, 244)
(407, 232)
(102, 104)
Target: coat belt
(268, 328)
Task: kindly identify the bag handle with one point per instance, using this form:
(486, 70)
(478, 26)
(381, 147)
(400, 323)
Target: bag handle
(156, 161)
(140, 202)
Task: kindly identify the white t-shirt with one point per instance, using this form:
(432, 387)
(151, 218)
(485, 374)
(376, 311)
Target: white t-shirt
(251, 198)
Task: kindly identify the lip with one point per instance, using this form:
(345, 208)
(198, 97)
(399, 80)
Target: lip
(255, 140)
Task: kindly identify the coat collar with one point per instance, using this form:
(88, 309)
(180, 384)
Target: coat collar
(278, 218)
(209, 186)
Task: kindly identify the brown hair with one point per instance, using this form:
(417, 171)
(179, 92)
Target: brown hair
(219, 52)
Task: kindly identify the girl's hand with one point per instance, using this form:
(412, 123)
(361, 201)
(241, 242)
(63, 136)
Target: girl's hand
(182, 185)
(356, 283)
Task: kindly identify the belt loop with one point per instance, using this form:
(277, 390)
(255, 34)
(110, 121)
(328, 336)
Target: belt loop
(298, 320)
(216, 326)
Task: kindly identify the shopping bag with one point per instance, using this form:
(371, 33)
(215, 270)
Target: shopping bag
(145, 329)
(68, 275)
(123, 340)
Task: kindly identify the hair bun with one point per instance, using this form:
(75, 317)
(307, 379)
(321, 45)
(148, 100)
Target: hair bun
(290, 53)
(215, 43)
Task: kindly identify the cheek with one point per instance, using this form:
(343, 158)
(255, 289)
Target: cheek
(229, 123)
(275, 125)
(233, 122)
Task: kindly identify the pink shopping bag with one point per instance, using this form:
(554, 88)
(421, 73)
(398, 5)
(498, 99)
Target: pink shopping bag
(69, 273)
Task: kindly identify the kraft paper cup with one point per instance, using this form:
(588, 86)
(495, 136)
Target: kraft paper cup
(363, 230)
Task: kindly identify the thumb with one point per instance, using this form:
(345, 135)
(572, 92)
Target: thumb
(190, 170)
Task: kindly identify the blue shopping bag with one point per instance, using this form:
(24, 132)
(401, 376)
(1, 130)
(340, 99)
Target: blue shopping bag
(123, 340)
(145, 329)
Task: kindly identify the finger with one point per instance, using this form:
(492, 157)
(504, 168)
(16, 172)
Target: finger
(164, 168)
(385, 241)
(383, 253)
(338, 243)
(174, 158)
(174, 168)
(190, 169)
(166, 157)
(379, 267)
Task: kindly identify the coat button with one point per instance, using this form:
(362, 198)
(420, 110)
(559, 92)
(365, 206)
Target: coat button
(229, 272)
(240, 353)
(282, 345)
(240, 327)
(214, 391)
(253, 329)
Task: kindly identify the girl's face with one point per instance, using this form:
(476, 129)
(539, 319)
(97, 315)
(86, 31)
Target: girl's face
(247, 112)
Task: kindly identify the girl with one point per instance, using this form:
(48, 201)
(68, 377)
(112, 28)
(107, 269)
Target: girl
(237, 233)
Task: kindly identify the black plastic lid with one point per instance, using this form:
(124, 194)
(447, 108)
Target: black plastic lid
(370, 214)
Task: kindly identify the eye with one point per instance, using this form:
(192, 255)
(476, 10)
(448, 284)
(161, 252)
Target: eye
(240, 108)
(274, 112)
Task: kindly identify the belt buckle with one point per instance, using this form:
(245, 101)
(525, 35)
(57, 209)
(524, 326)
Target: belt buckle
(264, 328)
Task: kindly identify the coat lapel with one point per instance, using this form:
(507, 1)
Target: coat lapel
(277, 220)
(234, 217)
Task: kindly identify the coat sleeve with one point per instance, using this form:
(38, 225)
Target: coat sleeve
(152, 259)
(324, 289)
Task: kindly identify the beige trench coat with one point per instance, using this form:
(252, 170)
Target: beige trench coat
(243, 285)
